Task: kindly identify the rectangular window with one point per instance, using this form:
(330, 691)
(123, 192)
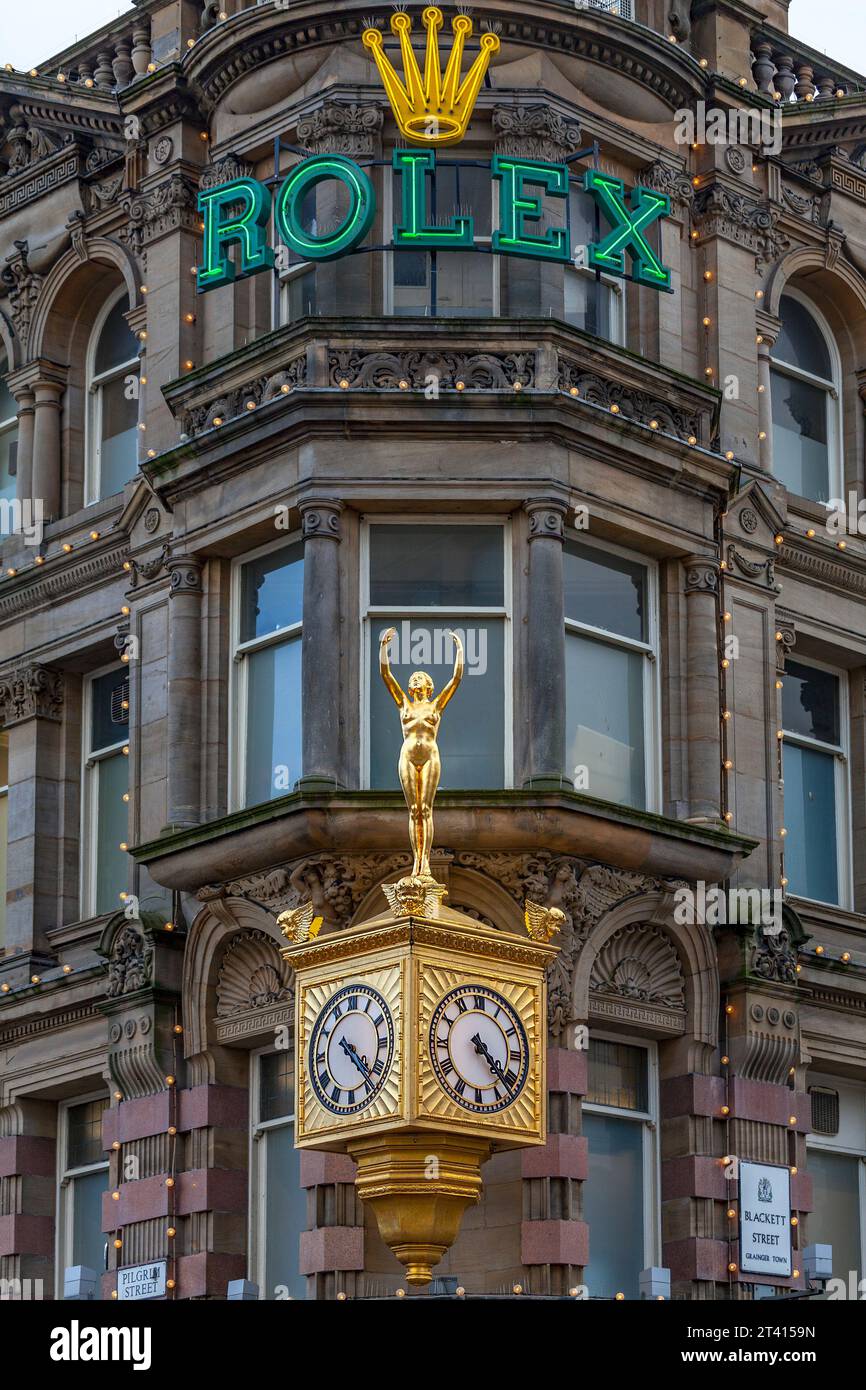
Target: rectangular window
(593, 303)
(106, 782)
(269, 600)
(620, 1203)
(611, 674)
(297, 282)
(278, 1206)
(4, 830)
(424, 580)
(814, 719)
(448, 284)
(837, 1166)
(83, 1178)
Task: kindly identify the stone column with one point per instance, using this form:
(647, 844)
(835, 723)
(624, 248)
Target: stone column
(46, 446)
(332, 1247)
(702, 690)
(31, 708)
(545, 648)
(321, 650)
(554, 1240)
(768, 331)
(26, 419)
(184, 692)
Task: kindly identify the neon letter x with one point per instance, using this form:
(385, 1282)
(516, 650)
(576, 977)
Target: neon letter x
(627, 228)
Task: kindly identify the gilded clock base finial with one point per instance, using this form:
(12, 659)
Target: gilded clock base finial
(418, 1186)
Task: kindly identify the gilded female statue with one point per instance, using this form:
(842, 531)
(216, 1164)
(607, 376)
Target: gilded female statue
(419, 766)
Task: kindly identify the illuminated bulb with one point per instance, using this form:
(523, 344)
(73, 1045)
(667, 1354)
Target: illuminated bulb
(795, 1220)
(762, 434)
(704, 62)
(123, 897)
(189, 318)
(732, 1268)
(39, 559)
(731, 1213)
(190, 43)
(344, 385)
(783, 832)
(779, 539)
(784, 883)
(286, 388)
(728, 764)
(846, 956)
(810, 533)
(760, 338)
(88, 81)
(708, 275)
(123, 846)
(151, 67)
(725, 1061)
(729, 1008)
(35, 979)
(840, 92)
(574, 391)
(169, 926)
(726, 1110)
(694, 236)
(66, 547)
(125, 796)
(778, 636)
(620, 1297)
(61, 77)
(5, 988)
(819, 950)
(114, 1293)
(116, 1144)
(729, 455)
(729, 816)
(841, 545)
(779, 685)
(795, 1274)
(67, 969)
(169, 1080)
(792, 1119)
(170, 1284)
(654, 424)
(217, 419)
(169, 1182)
(189, 364)
(118, 1095)
(178, 1028)
(115, 1196)
(202, 135)
(794, 1171)
(127, 564)
(142, 335)
(692, 439)
(118, 1244)
(341, 1297)
(461, 385)
(708, 371)
(171, 1232)
(125, 750)
(33, 72)
(780, 734)
(726, 617)
(11, 571)
(725, 663)
(741, 81)
(696, 181)
(761, 390)
(672, 38)
(517, 1289)
(400, 1293)
(143, 380)
(810, 96)
(461, 1292)
(707, 321)
(726, 714)
(518, 385)
(251, 405)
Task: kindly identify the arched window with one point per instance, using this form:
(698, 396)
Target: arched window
(8, 437)
(805, 383)
(112, 390)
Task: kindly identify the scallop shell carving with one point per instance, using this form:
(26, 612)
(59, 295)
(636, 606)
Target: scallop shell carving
(639, 962)
(252, 975)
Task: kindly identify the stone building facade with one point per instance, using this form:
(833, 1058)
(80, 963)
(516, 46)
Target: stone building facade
(617, 495)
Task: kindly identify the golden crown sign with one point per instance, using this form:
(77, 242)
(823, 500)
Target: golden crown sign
(435, 109)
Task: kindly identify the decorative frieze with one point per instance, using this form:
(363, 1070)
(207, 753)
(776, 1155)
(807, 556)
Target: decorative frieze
(758, 571)
(22, 287)
(354, 369)
(170, 206)
(631, 404)
(674, 182)
(721, 212)
(237, 401)
(224, 170)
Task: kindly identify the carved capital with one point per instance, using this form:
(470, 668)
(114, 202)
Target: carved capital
(341, 128)
(546, 518)
(320, 516)
(786, 637)
(702, 575)
(185, 575)
(30, 692)
(534, 132)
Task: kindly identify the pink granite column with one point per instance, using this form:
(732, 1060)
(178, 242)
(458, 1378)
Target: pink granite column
(554, 1241)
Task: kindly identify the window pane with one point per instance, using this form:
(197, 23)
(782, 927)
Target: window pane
(472, 732)
(301, 296)
(272, 591)
(276, 1085)
(604, 719)
(118, 445)
(810, 702)
(617, 1075)
(801, 341)
(117, 342)
(801, 458)
(285, 1213)
(588, 304)
(836, 1217)
(84, 1134)
(110, 781)
(8, 462)
(8, 404)
(109, 722)
(810, 817)
(613, 1205)
(88, 1238)
(464, 284)
(605, 591)
(436, 566)
(273, 721)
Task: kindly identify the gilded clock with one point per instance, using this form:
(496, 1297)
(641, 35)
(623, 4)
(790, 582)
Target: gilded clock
(351, 1049)
(478, 1048)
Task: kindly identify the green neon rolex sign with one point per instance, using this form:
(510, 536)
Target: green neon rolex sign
(532, 217)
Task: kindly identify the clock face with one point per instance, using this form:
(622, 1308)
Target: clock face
(351, 1049)
(478, 1049)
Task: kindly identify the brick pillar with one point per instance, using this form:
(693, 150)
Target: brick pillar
(31, 708)
(28, 1195)
(332, 1248)
(545, 647)
(554, 1241)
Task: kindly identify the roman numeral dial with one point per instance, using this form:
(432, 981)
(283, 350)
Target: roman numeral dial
(351, 1049)
(478, 1048)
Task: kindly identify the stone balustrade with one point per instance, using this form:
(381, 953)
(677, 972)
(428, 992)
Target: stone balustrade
(789, 73)
(114, 61)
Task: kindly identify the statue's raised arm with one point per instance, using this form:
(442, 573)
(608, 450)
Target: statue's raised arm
(385, 668)
(448, 690)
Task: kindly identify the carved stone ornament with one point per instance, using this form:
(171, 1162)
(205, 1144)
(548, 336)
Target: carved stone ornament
(28, 144)
(254, 989)
(534, 132)
(320, 518)
(773, 958)
(631, 404)
(130, 965)
(335, 886)
(748, 520)
(719, 211)
(22, 287)
(164, 209)
(224, 170)
(163, 149)
(639, 962)
(185, 575)
(261, 391)
(755, 570)
(702, 577)
(352, 368)
(30, 692)
(786, 639)
(342, 129)
(546, 518)
(664, 178)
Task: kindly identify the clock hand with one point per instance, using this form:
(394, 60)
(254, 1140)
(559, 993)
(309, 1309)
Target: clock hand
(352, 1054)
(495, 1066)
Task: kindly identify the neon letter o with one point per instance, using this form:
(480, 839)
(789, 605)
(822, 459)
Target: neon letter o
(358, 220)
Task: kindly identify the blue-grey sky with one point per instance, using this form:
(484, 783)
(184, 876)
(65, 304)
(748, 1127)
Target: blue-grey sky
(32, 32)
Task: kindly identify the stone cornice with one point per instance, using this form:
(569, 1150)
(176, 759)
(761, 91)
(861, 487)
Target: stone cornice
(825, 569)
(52, 582)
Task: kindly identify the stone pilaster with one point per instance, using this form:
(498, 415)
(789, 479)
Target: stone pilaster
(545, 647)
(554, 1241)
(31, 709)
(768, 331)
(184, 692)
(702, 688)
(321, 652)
(332, 1248)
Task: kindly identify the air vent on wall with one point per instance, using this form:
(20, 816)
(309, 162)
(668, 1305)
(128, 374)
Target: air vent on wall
(825, 1110)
